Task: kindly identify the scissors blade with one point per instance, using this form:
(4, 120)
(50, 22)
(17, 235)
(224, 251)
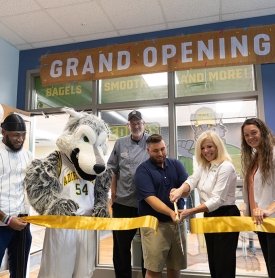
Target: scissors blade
(179, 227)
(181, 241)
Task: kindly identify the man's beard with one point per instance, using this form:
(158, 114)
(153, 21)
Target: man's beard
(11, 146)
(158, 162)
(137, 133)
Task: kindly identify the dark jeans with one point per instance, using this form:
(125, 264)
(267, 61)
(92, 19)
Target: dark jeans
(18, 244)
(221, 247)
(267, 242)
(122, 243)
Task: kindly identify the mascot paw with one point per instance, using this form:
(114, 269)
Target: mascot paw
(99, 211)
(63, 207)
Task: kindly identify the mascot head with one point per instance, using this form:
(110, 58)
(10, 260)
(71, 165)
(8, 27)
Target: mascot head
(84, 142)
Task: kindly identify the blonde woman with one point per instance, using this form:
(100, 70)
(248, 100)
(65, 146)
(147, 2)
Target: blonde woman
(258, 162)
(215, 179)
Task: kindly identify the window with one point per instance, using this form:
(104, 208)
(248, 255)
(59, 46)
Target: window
(73, 94)
(133, 88)
(221, 80)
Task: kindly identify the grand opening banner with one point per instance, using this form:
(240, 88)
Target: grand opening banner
(254, 45)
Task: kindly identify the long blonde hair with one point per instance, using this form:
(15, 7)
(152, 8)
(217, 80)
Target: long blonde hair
(221, 150)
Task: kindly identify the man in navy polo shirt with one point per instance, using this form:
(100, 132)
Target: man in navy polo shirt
(154, 180)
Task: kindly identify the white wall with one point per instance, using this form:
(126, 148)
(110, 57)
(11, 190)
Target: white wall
(9, 63)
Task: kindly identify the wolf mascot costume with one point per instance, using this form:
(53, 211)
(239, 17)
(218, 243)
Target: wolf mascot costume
(71, 181)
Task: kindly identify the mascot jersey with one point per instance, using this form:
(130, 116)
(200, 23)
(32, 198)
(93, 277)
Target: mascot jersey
(79, 190)
(70, 253)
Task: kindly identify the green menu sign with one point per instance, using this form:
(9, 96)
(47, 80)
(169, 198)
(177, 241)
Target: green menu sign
(71, 94)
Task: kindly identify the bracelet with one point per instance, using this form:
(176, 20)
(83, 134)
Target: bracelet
(9, 220)
(6, 219)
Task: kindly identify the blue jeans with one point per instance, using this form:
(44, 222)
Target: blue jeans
(18, 244)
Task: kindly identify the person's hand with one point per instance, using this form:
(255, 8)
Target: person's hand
(174, 216)
(177, 219)
(175, 194)
(17, 224)
(259, 215)
(184, 213)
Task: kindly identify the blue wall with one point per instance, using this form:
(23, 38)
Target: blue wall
(9, 62)
(29, 59)
(268, 78)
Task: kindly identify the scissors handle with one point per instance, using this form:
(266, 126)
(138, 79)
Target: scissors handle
(176, 211)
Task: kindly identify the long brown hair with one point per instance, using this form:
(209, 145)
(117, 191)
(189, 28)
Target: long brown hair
(264, 154)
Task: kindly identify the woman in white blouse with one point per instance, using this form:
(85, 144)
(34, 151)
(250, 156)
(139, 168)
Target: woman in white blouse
(215, 179)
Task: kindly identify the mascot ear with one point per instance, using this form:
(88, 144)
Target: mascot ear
(102, 141)
(102, 137)
(104, 148)
(72, 112)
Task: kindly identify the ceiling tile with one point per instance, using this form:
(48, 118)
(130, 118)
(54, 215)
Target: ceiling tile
(41, 23)
(180, 10)
(193, 22)
(59, 3)
(82, 19)
(233, 6)
(35, 27)
(13, 7)
(96, 36)
(133, 13)
(247, 14)
(24, 46)
(10, 36)
(52, 43)
(143, 29)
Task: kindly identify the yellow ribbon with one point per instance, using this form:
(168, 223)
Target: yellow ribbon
(230, 224)
(198, 225)
(92, 223)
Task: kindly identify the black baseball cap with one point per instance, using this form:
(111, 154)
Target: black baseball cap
(134, 114)
(14, 122)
